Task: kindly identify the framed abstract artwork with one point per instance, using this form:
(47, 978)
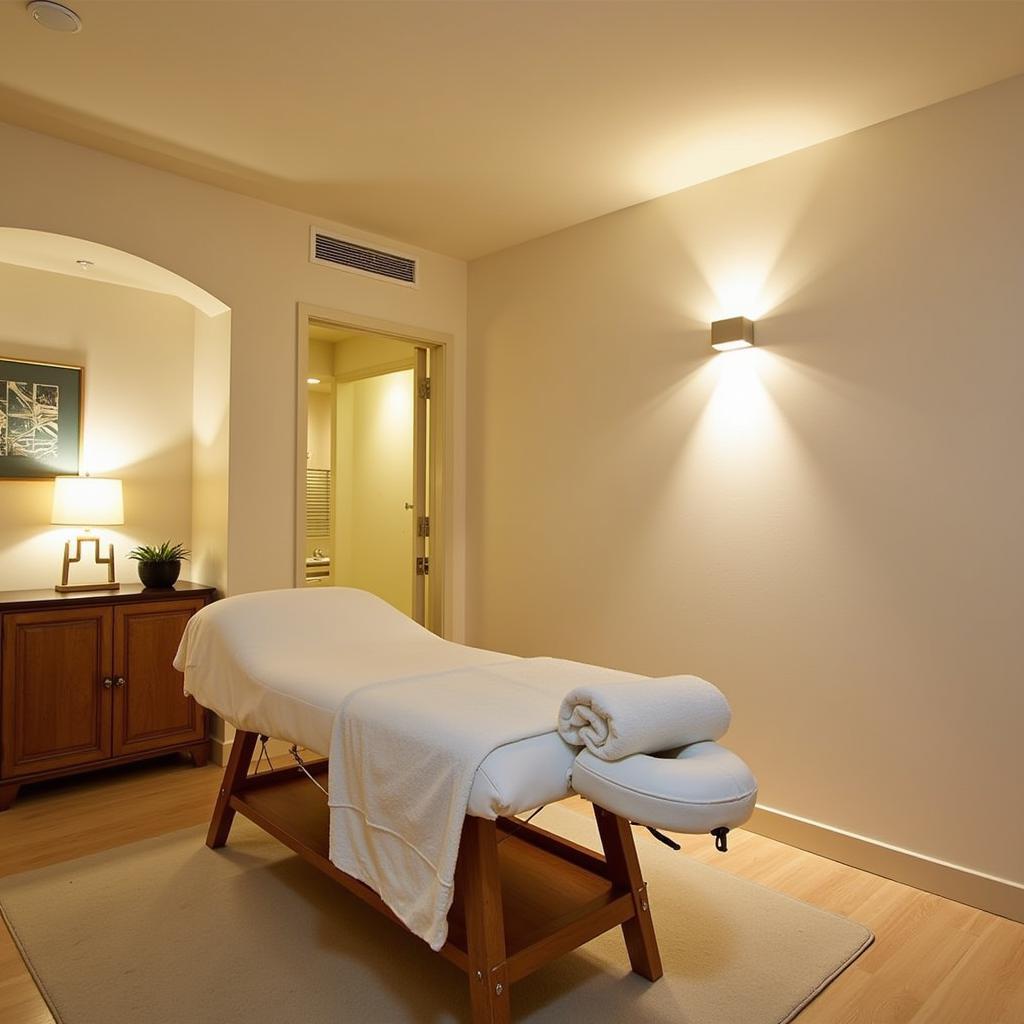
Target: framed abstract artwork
(40, 420)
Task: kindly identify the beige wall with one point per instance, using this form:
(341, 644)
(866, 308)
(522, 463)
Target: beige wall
(137, 351)
(211, 415)
(829, 526)
(253, 257)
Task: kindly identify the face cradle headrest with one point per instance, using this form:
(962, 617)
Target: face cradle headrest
(693, 789)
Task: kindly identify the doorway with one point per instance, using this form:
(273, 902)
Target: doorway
(372, 487)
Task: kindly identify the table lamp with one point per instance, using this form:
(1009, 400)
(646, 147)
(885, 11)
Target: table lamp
(87, 501)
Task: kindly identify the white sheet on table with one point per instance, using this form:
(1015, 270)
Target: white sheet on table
(281, 663)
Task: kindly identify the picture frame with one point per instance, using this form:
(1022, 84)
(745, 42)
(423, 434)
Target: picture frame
(40, 419)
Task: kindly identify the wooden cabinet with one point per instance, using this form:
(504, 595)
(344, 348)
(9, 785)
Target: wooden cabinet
(56, 712)
(151, 710)
(87, 680)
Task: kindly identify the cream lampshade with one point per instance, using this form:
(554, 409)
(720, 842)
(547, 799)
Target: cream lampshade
(87, 501)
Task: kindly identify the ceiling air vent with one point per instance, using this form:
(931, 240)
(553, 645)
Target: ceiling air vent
(360, 258)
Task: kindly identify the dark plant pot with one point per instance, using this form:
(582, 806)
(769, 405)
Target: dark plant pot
(159, 574)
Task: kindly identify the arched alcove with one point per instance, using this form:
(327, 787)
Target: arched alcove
(155, 353)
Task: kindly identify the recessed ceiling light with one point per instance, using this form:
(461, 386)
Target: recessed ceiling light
(85, 264)
(312, 380)
(54, 16)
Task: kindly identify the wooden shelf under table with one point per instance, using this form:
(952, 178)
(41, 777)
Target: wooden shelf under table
(555, 894)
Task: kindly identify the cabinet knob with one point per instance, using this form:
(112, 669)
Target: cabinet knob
(108, 683)
(119, 682)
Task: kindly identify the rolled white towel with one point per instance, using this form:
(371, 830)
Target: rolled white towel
(643, 716)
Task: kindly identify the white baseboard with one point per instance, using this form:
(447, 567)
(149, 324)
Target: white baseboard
(220, 750)
(953, 881)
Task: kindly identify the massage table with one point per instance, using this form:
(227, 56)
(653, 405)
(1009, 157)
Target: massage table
(274, 663)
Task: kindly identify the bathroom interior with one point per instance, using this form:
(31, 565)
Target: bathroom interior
(365, 453)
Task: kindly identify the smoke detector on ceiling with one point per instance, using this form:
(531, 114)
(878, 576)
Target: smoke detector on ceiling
(54, 16)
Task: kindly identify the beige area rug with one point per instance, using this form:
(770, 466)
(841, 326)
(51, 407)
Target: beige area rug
(168, 932)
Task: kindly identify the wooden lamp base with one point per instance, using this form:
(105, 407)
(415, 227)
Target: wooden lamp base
(64, 587)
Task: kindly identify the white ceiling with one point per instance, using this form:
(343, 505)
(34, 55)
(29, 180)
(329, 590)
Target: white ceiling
(59, 254)
(466, 127)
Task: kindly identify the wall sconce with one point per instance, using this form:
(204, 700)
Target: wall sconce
(87, 501)
(736, 332)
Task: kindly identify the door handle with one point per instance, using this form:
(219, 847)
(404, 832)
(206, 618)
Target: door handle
(108, 683)
(119, 682)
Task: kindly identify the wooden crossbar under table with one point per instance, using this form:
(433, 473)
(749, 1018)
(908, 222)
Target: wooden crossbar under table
(523, 896)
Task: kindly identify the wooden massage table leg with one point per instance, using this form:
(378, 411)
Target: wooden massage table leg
(624, 870)
(478, 879)
(234, 775)
(300, 821)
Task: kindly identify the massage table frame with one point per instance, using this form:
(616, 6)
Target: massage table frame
(523, 896)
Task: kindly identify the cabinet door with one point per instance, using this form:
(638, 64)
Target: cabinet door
(56, 708)
(150, 707)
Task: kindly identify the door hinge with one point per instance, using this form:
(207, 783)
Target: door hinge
(423, 566)
(424, 526)
(423, 388)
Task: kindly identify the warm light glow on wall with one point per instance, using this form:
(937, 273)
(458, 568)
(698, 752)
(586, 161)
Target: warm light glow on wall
(740, 290)
(740, 408)
(728, 142)
(397, 398)
(737, 456)
(739, 433)
(744, 262)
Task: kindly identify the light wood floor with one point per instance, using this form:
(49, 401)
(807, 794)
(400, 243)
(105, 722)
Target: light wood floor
(933, 961)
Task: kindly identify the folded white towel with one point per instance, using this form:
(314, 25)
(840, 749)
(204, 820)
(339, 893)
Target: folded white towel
(643, 716)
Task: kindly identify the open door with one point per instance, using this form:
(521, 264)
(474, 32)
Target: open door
(369, 487)
(421, 532)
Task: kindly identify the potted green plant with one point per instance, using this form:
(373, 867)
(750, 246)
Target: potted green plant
(160, 566)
